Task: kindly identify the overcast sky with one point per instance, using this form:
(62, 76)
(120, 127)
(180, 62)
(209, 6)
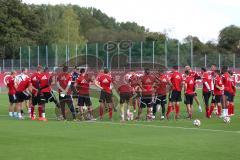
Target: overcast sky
(179, 18)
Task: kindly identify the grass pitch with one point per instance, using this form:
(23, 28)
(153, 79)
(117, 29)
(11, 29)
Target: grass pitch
(166, 140)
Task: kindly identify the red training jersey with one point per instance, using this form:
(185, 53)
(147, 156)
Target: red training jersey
(45, 80)
(176, 80)
(207, 82)
(162, 85)
(10, 85)
(227, 82)
(83, 81)
(218, 82)
(125, 88)
(190, 85)
(64, 79)
(147, 84)
(22, 81)
(105, 81)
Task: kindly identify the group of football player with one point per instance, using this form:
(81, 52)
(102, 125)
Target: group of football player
(149, 90)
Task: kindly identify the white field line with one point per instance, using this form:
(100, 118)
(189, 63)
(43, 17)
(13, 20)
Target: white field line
(150, 125)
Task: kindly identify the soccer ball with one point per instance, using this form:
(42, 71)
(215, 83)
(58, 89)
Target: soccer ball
(130, 116)
(197, 122)
(226, 119)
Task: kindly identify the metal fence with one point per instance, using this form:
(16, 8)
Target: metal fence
(117, 55)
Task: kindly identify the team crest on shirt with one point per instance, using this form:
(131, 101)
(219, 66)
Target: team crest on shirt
(105, 80)
(63, 78)
(44, 77)
(34, 78)
(148, 80)
(178, 77)
(84, 81)
(191, 82)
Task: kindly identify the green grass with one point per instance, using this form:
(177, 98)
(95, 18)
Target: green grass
(167, 140)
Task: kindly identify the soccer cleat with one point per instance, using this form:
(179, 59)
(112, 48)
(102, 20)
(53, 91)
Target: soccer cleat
(42, 119)
(33, 118)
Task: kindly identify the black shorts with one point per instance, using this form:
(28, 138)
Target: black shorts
(161, 99)
(146, 101)
(217, 98)
(229, 96)
(125, 97)
(105, 97)
(84, 99)
(189, 98)
(206, 97)
(12, 98)
(22, 96)
(35, 100)
(175, 96)
(65, 98)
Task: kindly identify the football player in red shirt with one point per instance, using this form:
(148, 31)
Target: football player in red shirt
(218, 92)
(22, 84)
(34, 89)
(196, 76)
(161, 93)
(207, 89)
(82, 86)
(189, 88)
(147, 83)
(64, 80)
(11, 93)
(175, 82)
(104, 81)
(213, 105)
(125, 91)
(134, 82)
(45, 92)
(228, 90)
(233, 93)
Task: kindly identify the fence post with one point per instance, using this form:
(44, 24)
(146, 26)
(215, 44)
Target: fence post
(166, 53)
(219, 60)
(130, 57)
(118, 52)
(56, 55)
(3, 64)
(86, 54)
(29, 58)
(20, 58)
(12, 64)
(97, 58)
(107, 55)
(234, 61)
(46, 55)
(178, 54)
(38, 55)
(141, 53)
(205, 60)
(153, 60)
(191, 53)
(76, 56)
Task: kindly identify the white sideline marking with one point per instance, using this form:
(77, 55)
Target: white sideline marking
(171, 127)
(149, 125)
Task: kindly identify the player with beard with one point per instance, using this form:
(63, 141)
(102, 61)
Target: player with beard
(196, 76)
(147, 82)
(175, 82)
(161, 93)
(12, 94)
(64, 80)
(104, 81)
(82, 86)
(22, 84)
(207, 89)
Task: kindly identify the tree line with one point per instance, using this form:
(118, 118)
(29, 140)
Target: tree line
(26, 25)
